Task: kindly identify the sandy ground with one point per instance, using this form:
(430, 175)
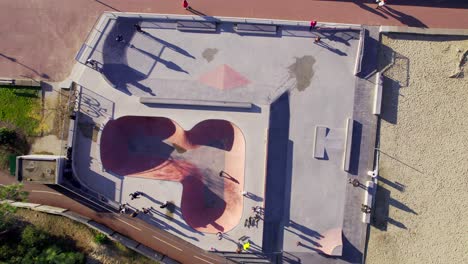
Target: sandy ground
(420, 212)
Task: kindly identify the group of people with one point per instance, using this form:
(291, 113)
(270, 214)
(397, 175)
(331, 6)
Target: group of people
(146, 210)
(252, 221)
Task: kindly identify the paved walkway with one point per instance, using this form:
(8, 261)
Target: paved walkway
(136, 229)
(41, 38)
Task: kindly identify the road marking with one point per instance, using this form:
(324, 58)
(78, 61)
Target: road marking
(46, 192)
(206, 256)
(203, 260)
(167, 243)
(139, 229)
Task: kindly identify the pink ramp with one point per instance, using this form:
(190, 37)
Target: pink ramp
(223, 78)
(145, 147)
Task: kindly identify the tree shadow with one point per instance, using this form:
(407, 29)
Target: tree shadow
(168, 64)
(104, 4)
(42, 75)
(380, 218)
(171, 46)
(408, 20)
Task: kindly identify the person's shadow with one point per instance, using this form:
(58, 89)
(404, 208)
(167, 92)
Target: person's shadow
(408, 20)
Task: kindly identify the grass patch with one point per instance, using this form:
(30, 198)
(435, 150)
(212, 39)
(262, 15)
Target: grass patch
(21, 108)
(83, 238)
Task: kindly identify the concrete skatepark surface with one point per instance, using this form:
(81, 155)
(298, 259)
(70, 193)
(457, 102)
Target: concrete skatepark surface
(158, 148)
(294, 88)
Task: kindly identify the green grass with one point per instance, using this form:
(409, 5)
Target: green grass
(21, 106)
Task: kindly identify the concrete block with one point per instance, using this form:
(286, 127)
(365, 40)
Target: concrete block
(196, 26)
(378, 94)
(167, 101)
(148, 252)
(130, 243)
(50, 209)
(348, 144)
(368, 200)
(256, 28)
(360, 52)
(24, 205)
(319, 142)
(101, 228)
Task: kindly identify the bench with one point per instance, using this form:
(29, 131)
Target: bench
(256, 28)
(196, 26)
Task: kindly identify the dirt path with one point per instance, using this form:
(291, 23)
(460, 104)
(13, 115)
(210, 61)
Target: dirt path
(421, 214)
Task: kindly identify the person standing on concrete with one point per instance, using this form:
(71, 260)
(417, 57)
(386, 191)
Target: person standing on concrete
(313, 23)
(317, 39)
(380, 3)
(123, 208)
(145, 210)
(186, 5)
(138, 28)
(164, 205)
(219, 235)
(134, 214)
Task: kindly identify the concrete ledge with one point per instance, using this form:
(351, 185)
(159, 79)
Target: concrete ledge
(148, 252)
(24, 205)
(348, 144)
(20, 82)
(426, 31)
(319, 142)
(368, 200)
(76, 217)
(165, 101)
(50, 209)
(377, 94)
(256, 29)
(196, 26)
(101, 228)
(360, 52)
(278, 22)
(130, 243)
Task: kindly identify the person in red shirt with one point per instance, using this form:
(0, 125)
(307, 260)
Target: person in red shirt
(313, 23)
(186, 5)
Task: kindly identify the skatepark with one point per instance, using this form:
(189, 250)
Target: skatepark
(181, 113)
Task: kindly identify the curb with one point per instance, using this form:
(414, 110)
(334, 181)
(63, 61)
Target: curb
(111, 234)
(425, 31)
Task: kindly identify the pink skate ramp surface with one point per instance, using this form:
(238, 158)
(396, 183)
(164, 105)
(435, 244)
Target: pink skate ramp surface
(158, 148)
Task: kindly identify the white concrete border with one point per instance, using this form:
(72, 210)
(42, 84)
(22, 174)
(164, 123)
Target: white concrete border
(378, 94)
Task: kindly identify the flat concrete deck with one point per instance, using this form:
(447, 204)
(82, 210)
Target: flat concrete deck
(304, 84)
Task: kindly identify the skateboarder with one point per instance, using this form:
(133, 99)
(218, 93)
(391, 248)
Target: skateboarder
(123, 208)
(134, 214)
(119, 38)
